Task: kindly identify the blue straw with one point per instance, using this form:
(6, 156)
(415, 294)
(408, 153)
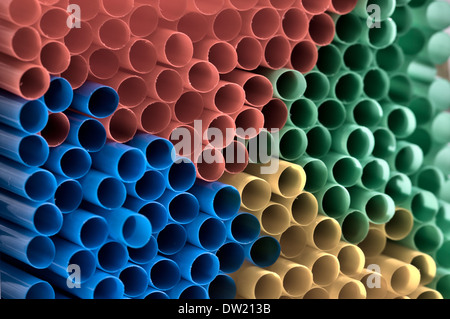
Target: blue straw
(31, 248)
(222, 287)
(85, 132)
(160, 153)
(188, 290)
(163, 273)
(96, 100)
(217, 199)
(69, 161)
(183, 207)
(112, 256)
(144, 254)
(244, 228)
(149, 187)
(25, 148)
(152, 293)
(59, 95)
(263, 252)
(171, 239)
(155, 212)
(231, 256)
(120, 161)
(30, 182)
(85, 229)
(68, 195)
(181, 175)
(206, 232)
(24, 115)
(43, 218)
(134, 279)
(18, 284)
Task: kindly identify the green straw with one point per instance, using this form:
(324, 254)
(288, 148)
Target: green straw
(302, 113)
(429, 178)
(331, 114)
(385, 142)
(287, 84)
(390, 58)
(358, 57)
(329, 60)
(365, 112)
(376, 83)
(317, 86)
(293, 143)
(440, 128)
(424, 237)
(422, 204)
(398, 187)
(403, 18)
(355, 226)
(422, 108)
(346, 86)
(442, 159)
(421, 72)
(342, 169)
(442, 282)
(407, 159)
(319, 141)
(387, 8)
(375, 173)
(443, 218)
(333, 200)
(400, 120)
(315, 170)
(348, 28)
(439, 94)
(353, 140)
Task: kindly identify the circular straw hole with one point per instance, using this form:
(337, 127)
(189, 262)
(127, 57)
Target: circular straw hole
(349, 28)
(47, 219)
(390, 58)
(194, 292)
(332, 114)
(231, 256)
(376, 84)
(265, 251)
(212, 234)
(400, 225)
(293, 241)
(86, 261)
(150, 186)
(112, 256)
(385, 143)
(245, 228)
(134, 279)
(250, 53)
(117, 8)
(204, 268)
(258, 90)
(68, 196)
(34, 83)
(132, 91)
(194, 25)
(402, 278)
(367, 113)
(33, 117)
(171, 239)
(253, 192)
(165, 274)
(159, 153)
(295, 24)
(59, 95)
(131, 166)
(223, 56)
(103, 63)
(304, 208)
(322, 29)
(111, 193)
(40, 252)
(335, 203)
(329, 60)
(268, 286)
(155, 117)
(351, 260)
(55, 57)
(179, 49)
(294, 136)
(24, 12)
(212, 167)
(347, 171)
(156, 213)
(349, 87)
(56, 130)
(360, 143)
(226, 202)
(53, 23)
(355, 227)
(40, 290)
(75, 163)
(229, 98)
(424, 206)
(143, 20)
(327, 234)
(319, 141)
(325, 270)
(33, 150)
(109, 288)
(358, 57)
(222, 287)
(78, 40)
(275, 115)
(379, 208)
(291, 85)
(227, 24)
(26, 43)
(275, 219)
(40, 186)
(169, 85)
(182, 175)
(136, 231)
(103, 102)
(318, 170)
(123, 125)
(315, 7)
(375, 174)
(304, 56)
(94, 232)
(277, 52)
(303, 113)
(189, 107)
(290, 181)
(184, 208)
(265, 23)
(92, 135)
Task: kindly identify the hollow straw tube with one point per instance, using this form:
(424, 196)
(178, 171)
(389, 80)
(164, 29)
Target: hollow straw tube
(349, 28)
(255, 192)
(68, 195)
(402, 278)
(126, 163)
(275, 115)
(69, 161)
(145, 254)
(399, 119)
(351, 259)
(217, 199)
(27, 80)
(59, 95)
(328, 198)
(353, 140)
(294, 143)
(28, 116)
(56, 130)
(182, 207)
(150, 187)
(54, 57)
(379, 207)
(436, 50)
(43, 218)
(357, 57)
(35, 250)
(236, 157)
(443, 217)
(315, 170)
(390, 58)
(103, 190)
(121, 126)
(85, 229)
(111, 256)
(297, 279)
(171, 239)
(163, 273)
(132, 89)
(102, 63)
(263, 252)
(323, 233)
(139, 56)
(68, 254)
(321, 29)
(231, 256)
(343, 170)
(11, 11)
(176, 48)
(439, 129)
(127, 227)
(292, 241)
(152, 116)
(52, 23)
(206, 232)
(261, 23)
(287, 84)
(14, 39)
(376, 83)
(243, 228)
(249, 122)
(287, 182)
(18, 284)
(188, 107)
(342, 7)
(386, 9)
(304, 56)
(27, 149)
(375, 173)
(277, 52)
(78, 40)
(222, 287)
(95, 100)
(256, 283)
(403, 18)
(324, 266)
(77, 72)
(32, 183)
(218, 129)
(399, 226)
(329, 59)
(86, 132)
(196, 265)
(355, 226)
(187, 290)
(134, 279)
(220, 53)
(249, 52)
(425, 293)
(347, 288)
(407, 159)
(294, 23)
(424, 237)
(317, 85)
(331, 112)
(422, 204)
(342, 82)
(154, 211)
(274, 219)
(365, 112)
(162, 78)
(180, 176)
(303, 208)
(316, 292)
(423, 262)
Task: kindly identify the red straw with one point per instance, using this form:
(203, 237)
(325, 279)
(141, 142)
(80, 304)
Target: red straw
(225, 25)
(194, 25)
(153, 116)
(116, 8)
(210, 164)
(220, 53)
(173, 48)
(321, 29)
(20, 42)
(103, 63)
(275, 115)
(53, 23)
(188, 107)
(77, 72)
(89, 8)
(227, 98)
(78, 40)
(342, 6)
(236, 157)
(120, 126)
(277, 52)
(200, 76)
(20, 12)
(315, 6)
(55, 57)
(295, 24)
(261, 23)
(249, 122)
(304, 56)
(249, 52)
(143, 20)
(164, 84)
